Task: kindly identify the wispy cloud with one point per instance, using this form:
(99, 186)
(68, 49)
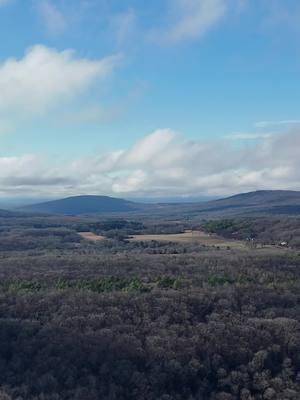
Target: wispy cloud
(5, 2)
(5, 127)
(94, 113)
(189, 20)
(123, 25)
(52, 17)
(283, 13)
(267, 124)
(247, 136)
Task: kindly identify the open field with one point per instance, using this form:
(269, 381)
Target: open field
(190, 237)
(91, 236)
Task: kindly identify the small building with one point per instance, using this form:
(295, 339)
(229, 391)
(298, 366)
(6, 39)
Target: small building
(284, 244)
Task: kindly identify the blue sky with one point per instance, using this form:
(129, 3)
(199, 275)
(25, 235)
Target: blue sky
(127, 98)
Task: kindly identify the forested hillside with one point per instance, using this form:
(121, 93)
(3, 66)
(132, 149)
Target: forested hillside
(84, 205)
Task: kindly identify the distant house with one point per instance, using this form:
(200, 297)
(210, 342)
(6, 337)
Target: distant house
(284, 244)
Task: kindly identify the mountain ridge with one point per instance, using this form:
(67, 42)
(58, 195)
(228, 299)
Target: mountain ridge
(85, 204)
(261, 201)
(272, 202)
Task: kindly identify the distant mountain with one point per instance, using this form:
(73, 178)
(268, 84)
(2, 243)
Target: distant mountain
(7, 214)
(14, 214)
(174, 199)
(79, 205)
(271, 202)
(263, 197)
(263, 202)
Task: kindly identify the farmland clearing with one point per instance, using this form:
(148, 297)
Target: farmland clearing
(190, 236)
(91, 236)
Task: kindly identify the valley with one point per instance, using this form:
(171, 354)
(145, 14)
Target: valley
(160, 305)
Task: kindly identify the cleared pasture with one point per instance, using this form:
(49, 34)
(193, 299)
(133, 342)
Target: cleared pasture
(91, 236)
(200, 237)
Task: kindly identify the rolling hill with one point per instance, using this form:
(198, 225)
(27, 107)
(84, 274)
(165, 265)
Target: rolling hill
(264, 202)
(263, 197)
(78, 205)
(8, 214)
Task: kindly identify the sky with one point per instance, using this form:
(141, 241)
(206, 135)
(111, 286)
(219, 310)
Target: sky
(139, 98)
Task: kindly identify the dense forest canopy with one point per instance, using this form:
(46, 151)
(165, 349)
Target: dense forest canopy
(151, 320)
(264, 230)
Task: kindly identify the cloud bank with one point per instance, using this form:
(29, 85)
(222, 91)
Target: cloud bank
(162, 164)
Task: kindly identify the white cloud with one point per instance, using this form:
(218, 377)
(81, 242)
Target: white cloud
(190, 19)
(132, 183)
(149, 148)
(31, 175)
(10, 166)
(46, 78)
(162, 164)
(52, 17)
